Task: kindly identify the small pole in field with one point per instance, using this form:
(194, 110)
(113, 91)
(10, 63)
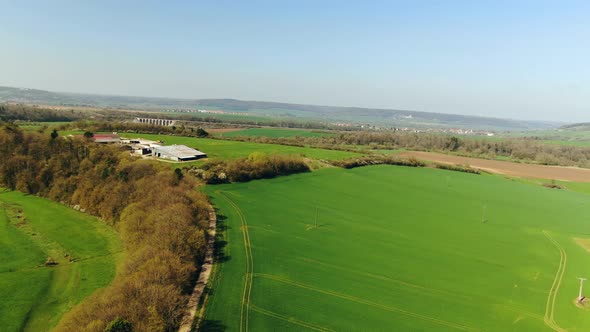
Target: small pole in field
(483, 213)
(580, 296)
(316, 217)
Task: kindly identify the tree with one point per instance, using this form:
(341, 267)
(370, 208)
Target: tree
(88, 135)
(202, 133)
(119, 325)
(178, 176)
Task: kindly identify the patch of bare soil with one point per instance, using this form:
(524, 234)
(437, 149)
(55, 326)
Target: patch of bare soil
(583, 304)
(507, 168)
(584, 243)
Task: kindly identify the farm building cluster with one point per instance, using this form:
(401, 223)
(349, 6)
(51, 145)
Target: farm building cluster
(146, 148)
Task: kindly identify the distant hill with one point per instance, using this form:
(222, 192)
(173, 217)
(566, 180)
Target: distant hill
(373, 116)
(577, 126)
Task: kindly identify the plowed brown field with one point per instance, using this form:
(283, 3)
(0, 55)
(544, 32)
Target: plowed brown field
(506, 167)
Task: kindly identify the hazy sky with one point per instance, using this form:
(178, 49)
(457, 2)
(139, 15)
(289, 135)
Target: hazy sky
(516, 59)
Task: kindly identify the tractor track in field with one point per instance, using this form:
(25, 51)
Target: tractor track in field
(419, 288)
(549, 317)
(425, 290)
(370, 303)
(290, 319)
(247, 292)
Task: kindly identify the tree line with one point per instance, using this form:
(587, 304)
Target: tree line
(12, 112)
(518, 149)
(138, 128)
(257, 166)
(160, 216)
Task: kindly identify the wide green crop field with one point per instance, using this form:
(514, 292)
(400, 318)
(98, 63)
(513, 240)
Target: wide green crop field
(274, 132)
(221, 149)
(386, 248)
(33, 297)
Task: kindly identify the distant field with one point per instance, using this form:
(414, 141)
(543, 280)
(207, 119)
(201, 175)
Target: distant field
(31, 126)
(33, 297)
(274, 132)
(223, 117)
(220, 149)
(507, 167)
(557, 136)
(393, 248)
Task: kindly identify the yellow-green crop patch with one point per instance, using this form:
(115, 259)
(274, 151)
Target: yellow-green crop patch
(394, 248)
(35, 231)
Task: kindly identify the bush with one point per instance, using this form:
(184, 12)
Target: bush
(256, 166)
(458, 168)
(378, 160)
(119, 325)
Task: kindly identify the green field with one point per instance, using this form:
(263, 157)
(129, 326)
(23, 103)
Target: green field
(274, 132)
(570, 137)
(33, 297)
(221, 149)
(386, 248)
(34, 126)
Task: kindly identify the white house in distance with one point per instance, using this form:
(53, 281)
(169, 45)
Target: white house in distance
(177, 153)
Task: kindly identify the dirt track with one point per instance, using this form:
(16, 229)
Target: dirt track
(191, 308)
(506, 167)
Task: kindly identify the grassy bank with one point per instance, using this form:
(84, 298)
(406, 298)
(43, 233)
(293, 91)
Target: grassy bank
(34, 296)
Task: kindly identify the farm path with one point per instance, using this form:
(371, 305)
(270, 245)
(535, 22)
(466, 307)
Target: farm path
(193, 302)
(245, 303)
(549, 318)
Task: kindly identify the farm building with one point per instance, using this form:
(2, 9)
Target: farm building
(177, 153)
(106, 138)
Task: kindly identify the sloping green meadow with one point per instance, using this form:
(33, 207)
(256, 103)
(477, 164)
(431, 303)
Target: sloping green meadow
(33, 297)
(386, 248)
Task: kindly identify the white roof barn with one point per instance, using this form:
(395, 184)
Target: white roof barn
(177, 153)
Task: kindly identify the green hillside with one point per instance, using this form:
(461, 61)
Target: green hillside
(387, 248)
(35, 296)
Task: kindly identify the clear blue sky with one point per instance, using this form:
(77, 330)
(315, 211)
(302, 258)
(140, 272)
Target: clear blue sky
(515, 59)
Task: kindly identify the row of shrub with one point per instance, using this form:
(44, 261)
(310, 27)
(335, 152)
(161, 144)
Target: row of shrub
(378, 160)
(458, 168)
(138, 128)
(160, 216)
(256, 166)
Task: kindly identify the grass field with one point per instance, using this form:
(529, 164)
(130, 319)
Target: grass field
(570, 137)
(33, 297)
(274, 132)
(34, 126)
(221, 149)
(386, 248)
